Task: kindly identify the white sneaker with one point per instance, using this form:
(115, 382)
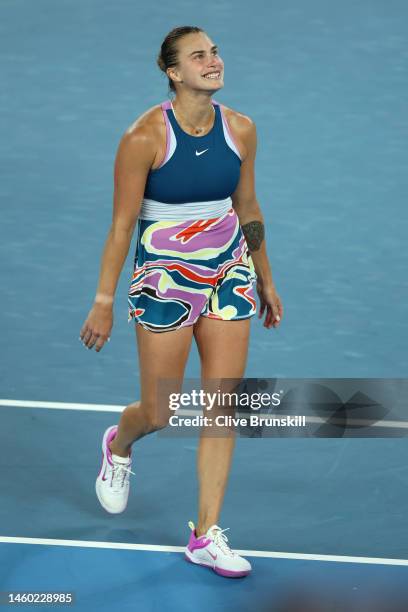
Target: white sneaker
(112, 484)
(213, 551)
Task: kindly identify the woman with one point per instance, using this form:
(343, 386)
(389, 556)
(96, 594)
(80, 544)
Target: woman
(185, 171)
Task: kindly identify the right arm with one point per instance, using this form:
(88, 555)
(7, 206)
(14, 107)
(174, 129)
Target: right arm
(134, 158)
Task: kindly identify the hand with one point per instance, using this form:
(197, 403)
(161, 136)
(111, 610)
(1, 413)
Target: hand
(271, 301)
(97, 328)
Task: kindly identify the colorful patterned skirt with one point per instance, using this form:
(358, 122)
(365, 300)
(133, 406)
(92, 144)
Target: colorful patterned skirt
(191, 268)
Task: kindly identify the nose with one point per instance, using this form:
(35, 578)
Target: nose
(214, 63)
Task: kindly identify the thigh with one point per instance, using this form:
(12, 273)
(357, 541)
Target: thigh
(222, 346)
(162, 355)
(223, 349)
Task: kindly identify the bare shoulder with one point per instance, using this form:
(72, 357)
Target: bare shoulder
(236, 119)
(242, 127)
(142, 139)
(149, 121)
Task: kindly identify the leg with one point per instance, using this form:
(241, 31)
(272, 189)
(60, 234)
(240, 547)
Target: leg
(161, 355)
(223, 349)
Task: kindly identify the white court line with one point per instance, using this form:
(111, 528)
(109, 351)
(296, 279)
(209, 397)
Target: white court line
(113, 408)
(157, 548)
(61, 405)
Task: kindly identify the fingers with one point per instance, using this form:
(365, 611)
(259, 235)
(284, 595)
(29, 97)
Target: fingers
(274, 310)
(273, 316)
(267, 322)
(92, 339)
(86, 336)
(100, 341)
(279, 313)
(269, 317)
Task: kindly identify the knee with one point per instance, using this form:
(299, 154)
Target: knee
(155, 418)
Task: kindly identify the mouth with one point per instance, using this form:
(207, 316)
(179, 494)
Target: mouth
(213, 76)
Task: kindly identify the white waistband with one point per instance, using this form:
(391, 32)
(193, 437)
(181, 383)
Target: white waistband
(152, 210)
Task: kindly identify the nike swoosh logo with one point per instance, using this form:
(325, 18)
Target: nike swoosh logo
(213, 556)
(201, 152)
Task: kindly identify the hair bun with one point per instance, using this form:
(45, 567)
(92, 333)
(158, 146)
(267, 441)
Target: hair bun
(161, 63)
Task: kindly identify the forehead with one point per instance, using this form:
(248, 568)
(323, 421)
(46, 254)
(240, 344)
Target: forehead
(194, 42)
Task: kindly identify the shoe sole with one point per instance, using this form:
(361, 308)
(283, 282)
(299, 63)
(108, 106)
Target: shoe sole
(97, 483)
(218, 570)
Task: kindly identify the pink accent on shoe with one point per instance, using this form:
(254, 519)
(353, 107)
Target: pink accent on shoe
(218, 570)
(195, 542)
(108, 441)
(229, 573)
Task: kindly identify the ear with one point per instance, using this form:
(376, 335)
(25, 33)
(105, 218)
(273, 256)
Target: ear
(174, 75)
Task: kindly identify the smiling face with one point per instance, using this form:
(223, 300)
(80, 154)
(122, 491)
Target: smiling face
(199, 65)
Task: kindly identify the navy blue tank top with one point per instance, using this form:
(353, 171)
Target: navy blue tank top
(195, 168)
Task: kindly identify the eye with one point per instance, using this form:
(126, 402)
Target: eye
(201, 55)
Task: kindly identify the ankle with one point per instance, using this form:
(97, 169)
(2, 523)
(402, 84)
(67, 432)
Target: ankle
(200, 531)
(118, 451)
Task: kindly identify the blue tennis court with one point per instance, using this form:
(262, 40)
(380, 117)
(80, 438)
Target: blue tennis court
(322, 521)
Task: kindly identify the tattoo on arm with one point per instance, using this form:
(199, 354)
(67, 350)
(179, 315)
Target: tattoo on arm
(254, 233)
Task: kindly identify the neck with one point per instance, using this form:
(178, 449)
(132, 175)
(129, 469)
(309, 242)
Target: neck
(196, 109)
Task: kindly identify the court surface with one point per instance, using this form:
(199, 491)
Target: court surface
(322, 521)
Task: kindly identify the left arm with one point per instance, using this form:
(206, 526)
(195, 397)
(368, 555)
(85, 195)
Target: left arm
(247, 207)
(252, 222)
